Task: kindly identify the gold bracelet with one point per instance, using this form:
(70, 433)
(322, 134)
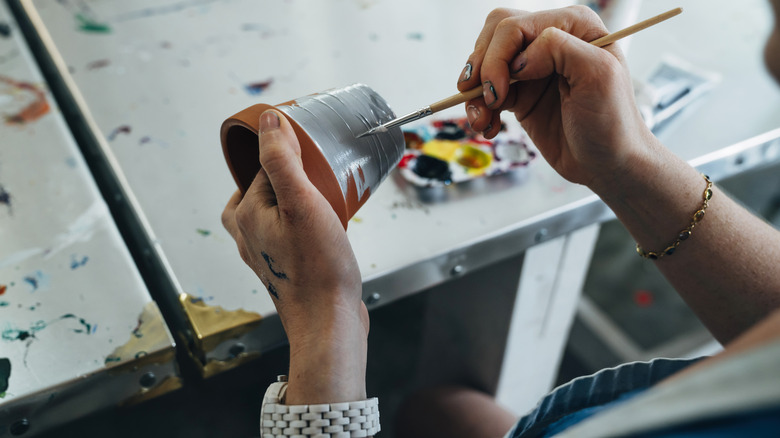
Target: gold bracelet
(684, 234)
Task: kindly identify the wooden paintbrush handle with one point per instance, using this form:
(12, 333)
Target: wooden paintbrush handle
(630, 30)
(457, 99)
(460, 98)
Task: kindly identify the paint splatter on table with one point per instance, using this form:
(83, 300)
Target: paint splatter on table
(69, 288)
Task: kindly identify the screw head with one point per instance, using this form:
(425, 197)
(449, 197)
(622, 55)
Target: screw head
(540, 235)
(20, 427)
(457, 270)
(148, 380)
(373, 298)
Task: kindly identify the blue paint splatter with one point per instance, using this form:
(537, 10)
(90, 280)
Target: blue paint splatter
(5, 30)
(32, 281)
(37, 280)
(124, 129)
(12, 334)
(256, 88)
(100, 63)
(76, 263)
(418, 36)
(17, 334)
(5, 198)
(87, 327)
(201, 299)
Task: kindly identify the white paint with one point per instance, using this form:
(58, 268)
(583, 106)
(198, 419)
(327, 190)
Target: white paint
(19, 256)
(82, 229)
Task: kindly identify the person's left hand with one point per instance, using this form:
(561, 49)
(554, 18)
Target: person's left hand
(287, 232)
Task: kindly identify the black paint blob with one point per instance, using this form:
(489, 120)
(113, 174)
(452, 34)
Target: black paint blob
(450, 131)
(432, 168)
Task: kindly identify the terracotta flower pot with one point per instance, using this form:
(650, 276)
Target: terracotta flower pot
(344, 168)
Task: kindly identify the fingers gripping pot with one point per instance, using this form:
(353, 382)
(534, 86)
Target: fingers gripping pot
(344, 168)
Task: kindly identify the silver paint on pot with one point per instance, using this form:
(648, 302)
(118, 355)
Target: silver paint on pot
(334, 118)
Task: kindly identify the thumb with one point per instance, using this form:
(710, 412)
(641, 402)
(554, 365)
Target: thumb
(280, 158)
(557, 52)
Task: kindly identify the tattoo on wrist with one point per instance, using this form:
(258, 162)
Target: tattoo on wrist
(278, 274)
(272, 290)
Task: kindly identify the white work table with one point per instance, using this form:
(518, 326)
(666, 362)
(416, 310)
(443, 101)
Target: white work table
(158, 79)
(155, 79)
(79, 329)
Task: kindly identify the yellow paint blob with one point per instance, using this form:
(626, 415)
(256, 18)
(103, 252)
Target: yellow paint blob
(474, 159)
(441, 149)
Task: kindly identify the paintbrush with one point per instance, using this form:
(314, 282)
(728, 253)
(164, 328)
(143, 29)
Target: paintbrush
(477, 91)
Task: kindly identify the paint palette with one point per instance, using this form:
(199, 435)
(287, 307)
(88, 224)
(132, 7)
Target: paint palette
(446, 152)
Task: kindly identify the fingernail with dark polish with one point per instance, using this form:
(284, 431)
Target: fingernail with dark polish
(489, 93)
(466, 75)
(472, 113)
(268, 121)
(518, 64)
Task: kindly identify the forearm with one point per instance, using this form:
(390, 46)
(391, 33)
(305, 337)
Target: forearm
(726, 271)
(328, 360)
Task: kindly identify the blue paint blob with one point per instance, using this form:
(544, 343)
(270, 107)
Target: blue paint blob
(37, 280)
(32, 281)
(256, 88)
(5, 197)
(87, 327)
(5, 30)
(124, 129)
(76, 262)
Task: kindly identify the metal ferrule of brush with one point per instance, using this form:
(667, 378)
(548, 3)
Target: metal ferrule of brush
(419, 114)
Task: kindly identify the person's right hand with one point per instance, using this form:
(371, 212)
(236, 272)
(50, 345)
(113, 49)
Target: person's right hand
(574, 99)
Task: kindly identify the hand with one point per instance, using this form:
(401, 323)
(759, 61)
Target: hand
(292, 239)
(575, 100)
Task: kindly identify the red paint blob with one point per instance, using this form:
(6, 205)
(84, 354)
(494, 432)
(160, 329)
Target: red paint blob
(3, 288)
(643, 298)
(35, 110)
(413, 141)
(405, 160)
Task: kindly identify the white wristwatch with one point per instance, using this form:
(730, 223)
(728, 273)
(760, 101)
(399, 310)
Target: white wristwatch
(335, 420)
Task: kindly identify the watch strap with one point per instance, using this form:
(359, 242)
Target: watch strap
(333, 420)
